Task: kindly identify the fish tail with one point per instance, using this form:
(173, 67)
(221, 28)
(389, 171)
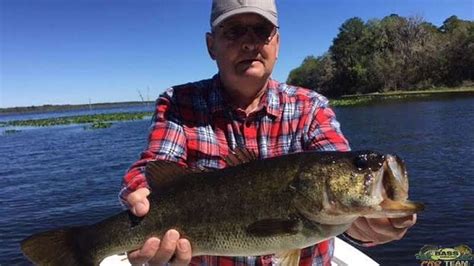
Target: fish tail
(57, 247)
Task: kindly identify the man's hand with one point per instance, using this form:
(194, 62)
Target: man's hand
(156, 251)
(380, 230)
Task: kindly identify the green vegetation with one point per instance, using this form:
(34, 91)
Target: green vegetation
(370, 98)
(70, 107)
(392, 54)
(99, 124)
(96, 120)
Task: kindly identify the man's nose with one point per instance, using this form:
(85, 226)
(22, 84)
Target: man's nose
(250, 41)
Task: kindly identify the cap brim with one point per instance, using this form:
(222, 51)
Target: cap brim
(265, 14)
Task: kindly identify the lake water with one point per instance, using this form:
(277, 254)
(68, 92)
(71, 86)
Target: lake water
(59, 176)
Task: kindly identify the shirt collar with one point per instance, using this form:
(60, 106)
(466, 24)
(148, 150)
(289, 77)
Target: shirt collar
(216, 96)
(270, 100)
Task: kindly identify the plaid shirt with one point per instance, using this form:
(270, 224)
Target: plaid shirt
(195, 126)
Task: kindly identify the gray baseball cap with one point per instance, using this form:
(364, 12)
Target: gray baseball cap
(222, 9)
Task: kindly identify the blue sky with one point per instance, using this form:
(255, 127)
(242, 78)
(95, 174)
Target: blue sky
(72, 52)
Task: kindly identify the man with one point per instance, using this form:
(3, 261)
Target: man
(196, 124)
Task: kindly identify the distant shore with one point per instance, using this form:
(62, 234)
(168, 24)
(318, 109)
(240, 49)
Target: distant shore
(69, 107)
(346, 100)
(364, 99)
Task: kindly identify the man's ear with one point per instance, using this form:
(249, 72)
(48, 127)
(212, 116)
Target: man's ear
(210, 45)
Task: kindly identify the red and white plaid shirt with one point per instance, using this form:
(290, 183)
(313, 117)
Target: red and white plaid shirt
(195, 126)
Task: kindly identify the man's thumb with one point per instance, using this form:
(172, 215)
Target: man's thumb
(139, 204)
(141, 208)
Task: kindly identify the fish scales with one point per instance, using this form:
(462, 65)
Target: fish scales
(230, 200)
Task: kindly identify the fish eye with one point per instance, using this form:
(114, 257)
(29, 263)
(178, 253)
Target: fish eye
(372, 161)
(361, 162)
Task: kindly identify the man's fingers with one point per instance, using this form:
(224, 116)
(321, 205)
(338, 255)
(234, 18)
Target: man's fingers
(141, 208)
(384, 230)
(403, 222)
(139, 204)
(377, 231)
(167, 248)
(145, 253)
(156, 251)
(359, 230)
(183, 253)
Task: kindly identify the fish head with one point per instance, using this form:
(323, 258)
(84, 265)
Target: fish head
(356, 186)
(373, 185)
(366, 184)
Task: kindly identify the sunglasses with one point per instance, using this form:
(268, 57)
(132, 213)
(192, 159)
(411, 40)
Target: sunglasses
(263, 31)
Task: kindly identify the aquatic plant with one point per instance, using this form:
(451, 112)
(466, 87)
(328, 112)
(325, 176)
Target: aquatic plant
(99, 119)
(99, 124)
(372, 98)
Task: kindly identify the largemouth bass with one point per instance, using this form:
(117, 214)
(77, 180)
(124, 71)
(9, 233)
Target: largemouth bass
(253, 207)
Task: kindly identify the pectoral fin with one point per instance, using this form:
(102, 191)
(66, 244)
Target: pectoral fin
(288, 258)
(273, 227)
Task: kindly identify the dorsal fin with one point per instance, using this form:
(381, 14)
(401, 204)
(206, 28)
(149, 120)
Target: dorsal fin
(239, 156)
(161, 174)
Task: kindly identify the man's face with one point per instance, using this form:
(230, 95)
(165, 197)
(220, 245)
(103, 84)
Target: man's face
(245, 48)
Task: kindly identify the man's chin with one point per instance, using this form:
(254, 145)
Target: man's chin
(252, 72)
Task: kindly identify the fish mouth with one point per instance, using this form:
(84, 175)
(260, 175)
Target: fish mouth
(391, 188)
(395, 179)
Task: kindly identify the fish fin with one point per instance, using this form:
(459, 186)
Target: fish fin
(272, 227)
(56, 247)
(288, 258)
(240, 155)
(395, 209)
(161, 174)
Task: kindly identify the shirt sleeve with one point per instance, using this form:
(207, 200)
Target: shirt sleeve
(166, 141)
(324, 131)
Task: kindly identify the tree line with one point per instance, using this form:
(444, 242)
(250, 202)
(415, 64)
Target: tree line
(394, 53)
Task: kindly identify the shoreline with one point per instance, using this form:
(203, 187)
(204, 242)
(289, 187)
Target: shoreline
(95, 120)
(49, 108)
(371, 98)
(345, 100)
(415, 92)
(99, 120)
